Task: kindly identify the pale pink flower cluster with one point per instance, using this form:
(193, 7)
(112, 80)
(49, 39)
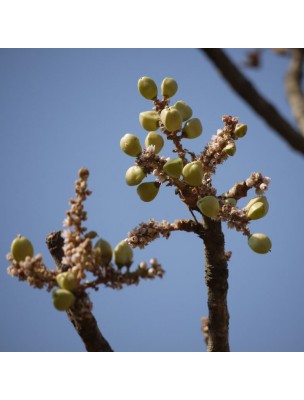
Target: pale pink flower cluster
(146, 232)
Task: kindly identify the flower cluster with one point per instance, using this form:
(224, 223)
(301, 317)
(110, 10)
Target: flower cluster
(191, 174)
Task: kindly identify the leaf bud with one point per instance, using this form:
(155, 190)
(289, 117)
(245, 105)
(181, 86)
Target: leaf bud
(21, 248)
(123, 254)
(149, 120)
(230, 149)
(172, 119)
(147, 191)
(192, 128)
(184, 109)
(63, 299)
(240, 130)
(168, 87)
(174, 167)
(103, 252)
(156, 140)
(134, 175)
(67, 280)
(257, 208)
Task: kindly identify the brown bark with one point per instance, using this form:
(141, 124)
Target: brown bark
(256, 101)
(80, 314)
(216, 268)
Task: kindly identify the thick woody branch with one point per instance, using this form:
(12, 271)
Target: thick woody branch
(80, 314)
(293, 87)
(255, 100)
(217, 283)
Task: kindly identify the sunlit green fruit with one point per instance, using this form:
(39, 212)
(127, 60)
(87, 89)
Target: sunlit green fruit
(21, 248)
(63, 299)
(103, 251)
(134, 175)
(168, 87)
(147, 191)
(147, 88)
(149, 120)
(192, 128)
(256, 212)
(230, 149)
(230, 201)
(172, 119)
(174, 167)
(155, 139)
(193, 173)
(259, 243)
(130, 145)
(184, 109)
(240, 130)
(123, 254)
(67, 280)
(209, 206)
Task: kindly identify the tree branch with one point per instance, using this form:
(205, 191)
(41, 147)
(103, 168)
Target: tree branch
(293, 87)
(216, 268)
(80, 314)
(260, 105)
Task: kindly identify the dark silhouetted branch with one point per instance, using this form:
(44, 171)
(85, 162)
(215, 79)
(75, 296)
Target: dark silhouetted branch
(255, 100)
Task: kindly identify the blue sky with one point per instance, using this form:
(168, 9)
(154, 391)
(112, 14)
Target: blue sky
(63, 109)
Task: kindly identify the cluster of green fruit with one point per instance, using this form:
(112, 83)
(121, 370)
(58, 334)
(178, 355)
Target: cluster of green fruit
(64, 297)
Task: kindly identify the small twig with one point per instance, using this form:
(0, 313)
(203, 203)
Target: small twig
(256, 101)
(80, 313)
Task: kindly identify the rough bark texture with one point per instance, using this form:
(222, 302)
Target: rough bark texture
(81, 313)
(216, 268)
(255, 100)
(293, 87)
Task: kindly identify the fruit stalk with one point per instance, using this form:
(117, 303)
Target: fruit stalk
(216, 269)
(80, 314)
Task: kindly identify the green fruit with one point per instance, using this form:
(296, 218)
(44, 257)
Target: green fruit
(134, 175)
(231, 201)
(257, 208)
(123, 254)
(230, 149)
(168, 87)
(156, 140)
(259, 243)
(147, 88)
(149, 120)
(209, 206)
(147, 191)
(63, 299)
(192, 128)
(67, 280)
(103, 252)
(130, 145)
(174, 167)
(184, 109)
(240, 130)
(21, 248)
(193, 173)
(256, 211)
(172, 119)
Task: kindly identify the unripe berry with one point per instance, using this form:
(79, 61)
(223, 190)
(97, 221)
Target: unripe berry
(67, 280)
(123, 254)
(231, 201)
(130, 145)
(174, 167)
(21, 248)
(103, 252)
(147, 88)
(192, 128)
(149, 120)
(147, 191)
(209, 206)
(172, 119)
(168, 87)
(257, 208)
(63, 299)
(240, 130)
(184, 109)
(230, 149)
(134, 175)
(193, 173)
(259, 243)
(156, 140)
